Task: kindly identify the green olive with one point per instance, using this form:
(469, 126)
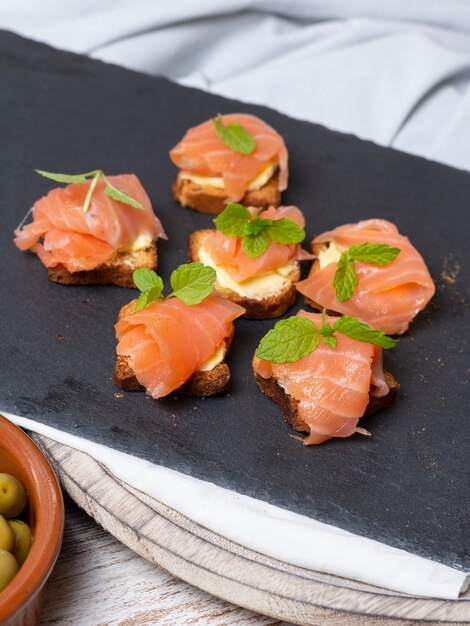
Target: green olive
(23, 539)
(8, 568)
(13, 498)
(7, 537)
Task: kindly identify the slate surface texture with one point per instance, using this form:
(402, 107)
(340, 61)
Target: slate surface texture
(408, 484)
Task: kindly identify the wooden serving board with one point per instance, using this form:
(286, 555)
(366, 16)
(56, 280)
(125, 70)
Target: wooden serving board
(228, 570)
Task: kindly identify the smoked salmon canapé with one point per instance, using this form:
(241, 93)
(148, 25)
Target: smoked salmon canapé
(256, 254)
(230, 158)
(370, 271)
(96, 230)
(179, 342)
(325, 373)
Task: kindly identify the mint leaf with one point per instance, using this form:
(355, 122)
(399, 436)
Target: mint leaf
(327, 333)
(91, 189)
(109, 190)
(67, 178)
(295, 337)
(232, 220)
(351, 327)
(375, 253)
(345, 280)
(330, 341)
(285, 230)
(289, 340)
(146, 279)
(121, 196)
(234, 136)
(150, 284)
(256, 226)
(255, 245)
(142, 302)
(192, 282)
(146, 298)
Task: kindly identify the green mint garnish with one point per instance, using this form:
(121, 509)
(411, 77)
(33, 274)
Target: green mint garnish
(295, 337)
(351, 327)
(256, 226)
(256, 233)
(234, 136)
(285, 230)
(66, 178)
(146, 279)
(232, 220)
(191, 283)
(375, 253)
(255, 245)
(289, 340)
(149, 284)
(345, 280)
(95, 175)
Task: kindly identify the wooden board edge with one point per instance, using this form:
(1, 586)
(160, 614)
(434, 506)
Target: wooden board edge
(231, 572)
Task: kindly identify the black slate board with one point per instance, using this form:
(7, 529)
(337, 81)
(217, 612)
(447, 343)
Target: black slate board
(408, 484)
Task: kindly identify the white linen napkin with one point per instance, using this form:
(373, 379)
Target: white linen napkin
(270, 530)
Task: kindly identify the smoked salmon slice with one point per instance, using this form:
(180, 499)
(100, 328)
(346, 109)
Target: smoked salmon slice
(62, 233)
(203, 153)
(227, 252)
(331, 388)
(168, 340)
(387, 297)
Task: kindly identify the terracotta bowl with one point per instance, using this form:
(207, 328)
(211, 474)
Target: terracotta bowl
(21, 600)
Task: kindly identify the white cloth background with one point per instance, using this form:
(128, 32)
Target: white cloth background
(396, 72)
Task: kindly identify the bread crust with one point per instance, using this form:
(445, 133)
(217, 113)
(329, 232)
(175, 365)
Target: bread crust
(201, 384)
(213, 200)
(266, 308)
(290, 405)
(117, 270)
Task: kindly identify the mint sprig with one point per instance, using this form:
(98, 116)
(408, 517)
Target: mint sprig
(289, 340)
(345, 279)
(256, 232)
(191, 283)
(233, 219)
(234, 136)
(353, 328)
(95, 175)
(293, 338)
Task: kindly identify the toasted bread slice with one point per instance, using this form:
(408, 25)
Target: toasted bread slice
(201, 383)
(289, 405)
(264, 308)
(117, 270)
(213, 200)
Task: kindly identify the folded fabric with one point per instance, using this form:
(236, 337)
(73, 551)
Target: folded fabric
(394, 72)
(270, 530)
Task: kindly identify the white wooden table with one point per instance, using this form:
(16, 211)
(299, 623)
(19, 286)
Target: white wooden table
(99, 582)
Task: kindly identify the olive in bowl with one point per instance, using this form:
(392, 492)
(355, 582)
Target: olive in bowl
(15, 534)
(22, 596)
